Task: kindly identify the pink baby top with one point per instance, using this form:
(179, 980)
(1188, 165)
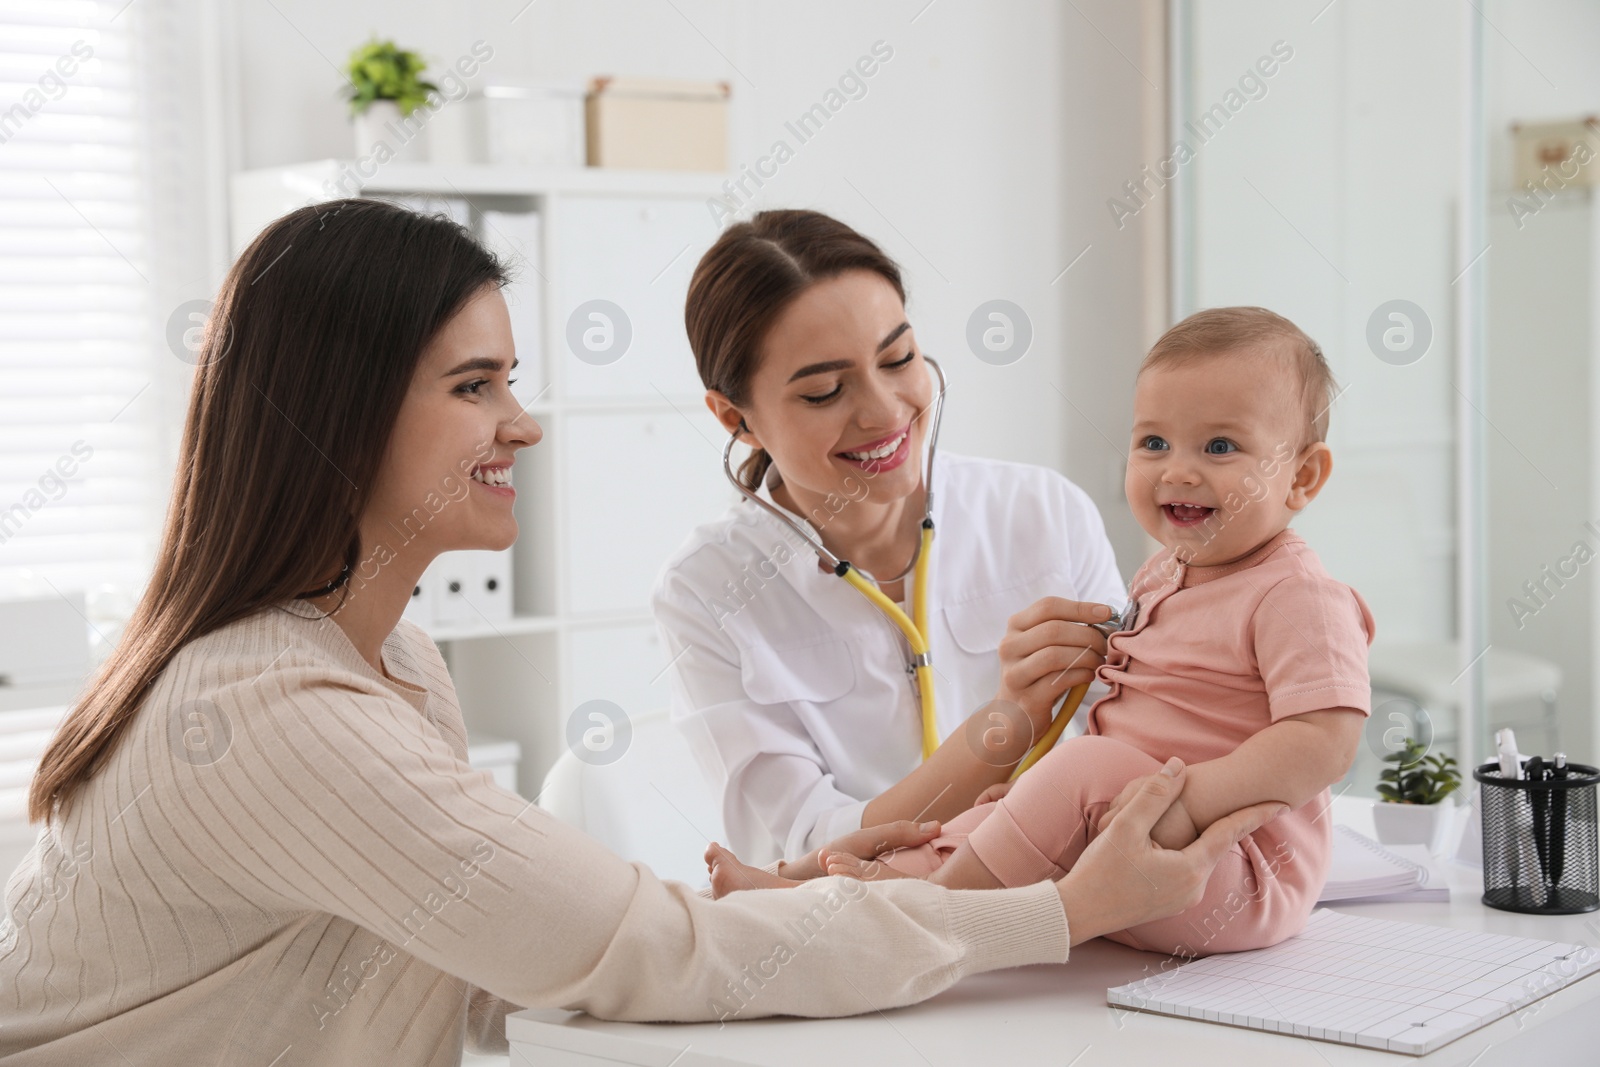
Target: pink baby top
(1240, 646)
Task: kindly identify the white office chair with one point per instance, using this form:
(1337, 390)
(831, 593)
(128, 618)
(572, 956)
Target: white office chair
(651, 805)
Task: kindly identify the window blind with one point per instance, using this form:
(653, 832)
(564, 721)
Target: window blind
(77, 339)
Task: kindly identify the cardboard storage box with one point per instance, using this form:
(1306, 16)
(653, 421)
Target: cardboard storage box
(657, 125)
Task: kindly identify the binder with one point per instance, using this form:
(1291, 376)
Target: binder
(470, 589)
(490, 591)
(419, 609)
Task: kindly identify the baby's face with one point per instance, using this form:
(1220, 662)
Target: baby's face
(1216, 466)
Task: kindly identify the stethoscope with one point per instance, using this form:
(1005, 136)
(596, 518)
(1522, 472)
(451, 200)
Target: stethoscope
(915, 625)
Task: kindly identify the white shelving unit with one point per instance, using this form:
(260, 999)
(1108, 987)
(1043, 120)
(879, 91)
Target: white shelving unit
(629, 463)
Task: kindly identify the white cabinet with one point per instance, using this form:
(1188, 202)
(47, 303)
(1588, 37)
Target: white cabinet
(635, 254)
(637, 483)
(630, 460)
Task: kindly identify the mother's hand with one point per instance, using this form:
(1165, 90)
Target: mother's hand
(1049, 648)
(1123, 878)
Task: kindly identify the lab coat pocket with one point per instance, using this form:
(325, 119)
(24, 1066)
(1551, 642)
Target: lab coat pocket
(978, 623)
(813, 673)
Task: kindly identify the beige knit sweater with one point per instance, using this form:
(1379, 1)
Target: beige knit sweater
(287, 860)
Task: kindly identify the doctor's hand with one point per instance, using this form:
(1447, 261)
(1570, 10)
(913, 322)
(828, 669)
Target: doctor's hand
(1123, 878)
(1049, 648)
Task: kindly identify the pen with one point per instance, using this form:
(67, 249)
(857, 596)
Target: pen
(1535, 772)
(1558, 822)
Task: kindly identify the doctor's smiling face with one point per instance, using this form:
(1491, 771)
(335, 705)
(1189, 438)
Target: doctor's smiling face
(840, 396)
(1222, 457)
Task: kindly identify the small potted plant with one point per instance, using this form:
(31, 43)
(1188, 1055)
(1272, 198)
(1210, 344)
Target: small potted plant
(1418, 791)
(385, 87)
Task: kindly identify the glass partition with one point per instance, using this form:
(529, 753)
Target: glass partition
(1331, 171)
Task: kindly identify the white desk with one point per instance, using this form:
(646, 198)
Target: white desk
(1057, 1014)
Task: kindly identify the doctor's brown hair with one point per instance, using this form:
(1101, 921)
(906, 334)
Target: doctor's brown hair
(745, 281)
(308, 354)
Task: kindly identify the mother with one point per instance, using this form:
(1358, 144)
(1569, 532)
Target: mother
(792, 688)
(260, 832)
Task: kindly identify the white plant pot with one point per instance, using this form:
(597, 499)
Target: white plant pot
(383, 136)
(1416, 824)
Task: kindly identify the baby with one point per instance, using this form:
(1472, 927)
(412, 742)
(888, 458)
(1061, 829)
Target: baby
(1243, 657)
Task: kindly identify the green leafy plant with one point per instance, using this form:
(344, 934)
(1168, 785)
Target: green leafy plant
(1417, 778)
(378, 70)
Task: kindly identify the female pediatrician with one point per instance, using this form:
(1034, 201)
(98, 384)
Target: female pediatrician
(792, 687)
(261, 840)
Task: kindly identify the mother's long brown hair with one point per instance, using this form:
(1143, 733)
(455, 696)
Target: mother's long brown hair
(309, 352)
(746, 279)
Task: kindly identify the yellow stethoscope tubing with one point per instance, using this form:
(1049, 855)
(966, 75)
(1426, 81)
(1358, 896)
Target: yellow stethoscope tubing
(1058, 726)
(913, 626)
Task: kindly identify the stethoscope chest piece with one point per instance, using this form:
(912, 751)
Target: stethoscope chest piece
(1126, 619)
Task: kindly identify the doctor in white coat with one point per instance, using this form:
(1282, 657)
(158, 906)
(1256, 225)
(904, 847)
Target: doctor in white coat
(793, 690)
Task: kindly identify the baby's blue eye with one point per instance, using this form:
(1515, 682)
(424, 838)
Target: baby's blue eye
(1153, 443)
(1220, 446)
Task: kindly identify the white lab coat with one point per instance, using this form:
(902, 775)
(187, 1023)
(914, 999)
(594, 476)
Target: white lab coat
(793, 690)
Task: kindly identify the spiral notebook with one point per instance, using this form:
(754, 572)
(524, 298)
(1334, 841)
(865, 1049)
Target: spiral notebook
(1396, 986)
(1363, 871)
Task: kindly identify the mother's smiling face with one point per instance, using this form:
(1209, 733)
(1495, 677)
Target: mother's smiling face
(446, 482)
(839, 392)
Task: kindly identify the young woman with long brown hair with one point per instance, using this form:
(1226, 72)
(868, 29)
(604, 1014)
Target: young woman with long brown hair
(260, 840)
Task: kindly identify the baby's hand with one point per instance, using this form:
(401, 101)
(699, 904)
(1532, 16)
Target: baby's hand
(994, 792)
(1174, 830)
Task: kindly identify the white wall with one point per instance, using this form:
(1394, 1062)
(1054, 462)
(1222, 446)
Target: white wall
(972, 158)
(1114, 87)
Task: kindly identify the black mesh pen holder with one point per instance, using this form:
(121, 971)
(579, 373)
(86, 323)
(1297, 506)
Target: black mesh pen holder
(1540, 849)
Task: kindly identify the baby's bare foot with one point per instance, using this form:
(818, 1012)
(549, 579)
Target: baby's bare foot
(728, 875)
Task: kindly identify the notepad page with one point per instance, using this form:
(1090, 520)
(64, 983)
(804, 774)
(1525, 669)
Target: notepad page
(1397, 986)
